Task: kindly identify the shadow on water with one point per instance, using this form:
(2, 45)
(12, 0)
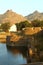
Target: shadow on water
(24, 51)
(18, 53)
(18, 49)
(12, 55)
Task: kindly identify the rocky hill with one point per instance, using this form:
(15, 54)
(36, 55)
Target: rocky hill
(12, 17)
(35, 16)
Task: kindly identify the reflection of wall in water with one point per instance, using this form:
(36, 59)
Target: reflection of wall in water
(18, 50)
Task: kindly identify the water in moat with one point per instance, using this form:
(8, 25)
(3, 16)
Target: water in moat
(12, 55)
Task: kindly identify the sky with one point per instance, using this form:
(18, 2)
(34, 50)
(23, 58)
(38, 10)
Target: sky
(23, 7)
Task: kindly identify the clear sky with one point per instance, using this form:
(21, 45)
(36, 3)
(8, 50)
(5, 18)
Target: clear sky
(23, 7)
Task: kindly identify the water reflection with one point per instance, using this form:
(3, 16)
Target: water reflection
(18, 50)
(11, 56)
(17, 55)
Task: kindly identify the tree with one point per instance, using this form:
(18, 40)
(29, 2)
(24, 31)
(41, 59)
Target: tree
(23, 24)
(41, 23)
(37, 23)
(5, 26)
(18, 26)
(0, 26)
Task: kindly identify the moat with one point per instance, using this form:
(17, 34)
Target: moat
(17, 55)
(12, 56)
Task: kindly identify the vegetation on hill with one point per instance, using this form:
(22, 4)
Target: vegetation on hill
(23, 24)
(37, 23)
(5, 26)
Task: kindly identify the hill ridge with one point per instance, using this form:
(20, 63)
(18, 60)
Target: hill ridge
(12, 17)
(35, 16)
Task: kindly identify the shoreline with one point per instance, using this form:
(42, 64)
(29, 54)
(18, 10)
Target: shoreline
(2, 40)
